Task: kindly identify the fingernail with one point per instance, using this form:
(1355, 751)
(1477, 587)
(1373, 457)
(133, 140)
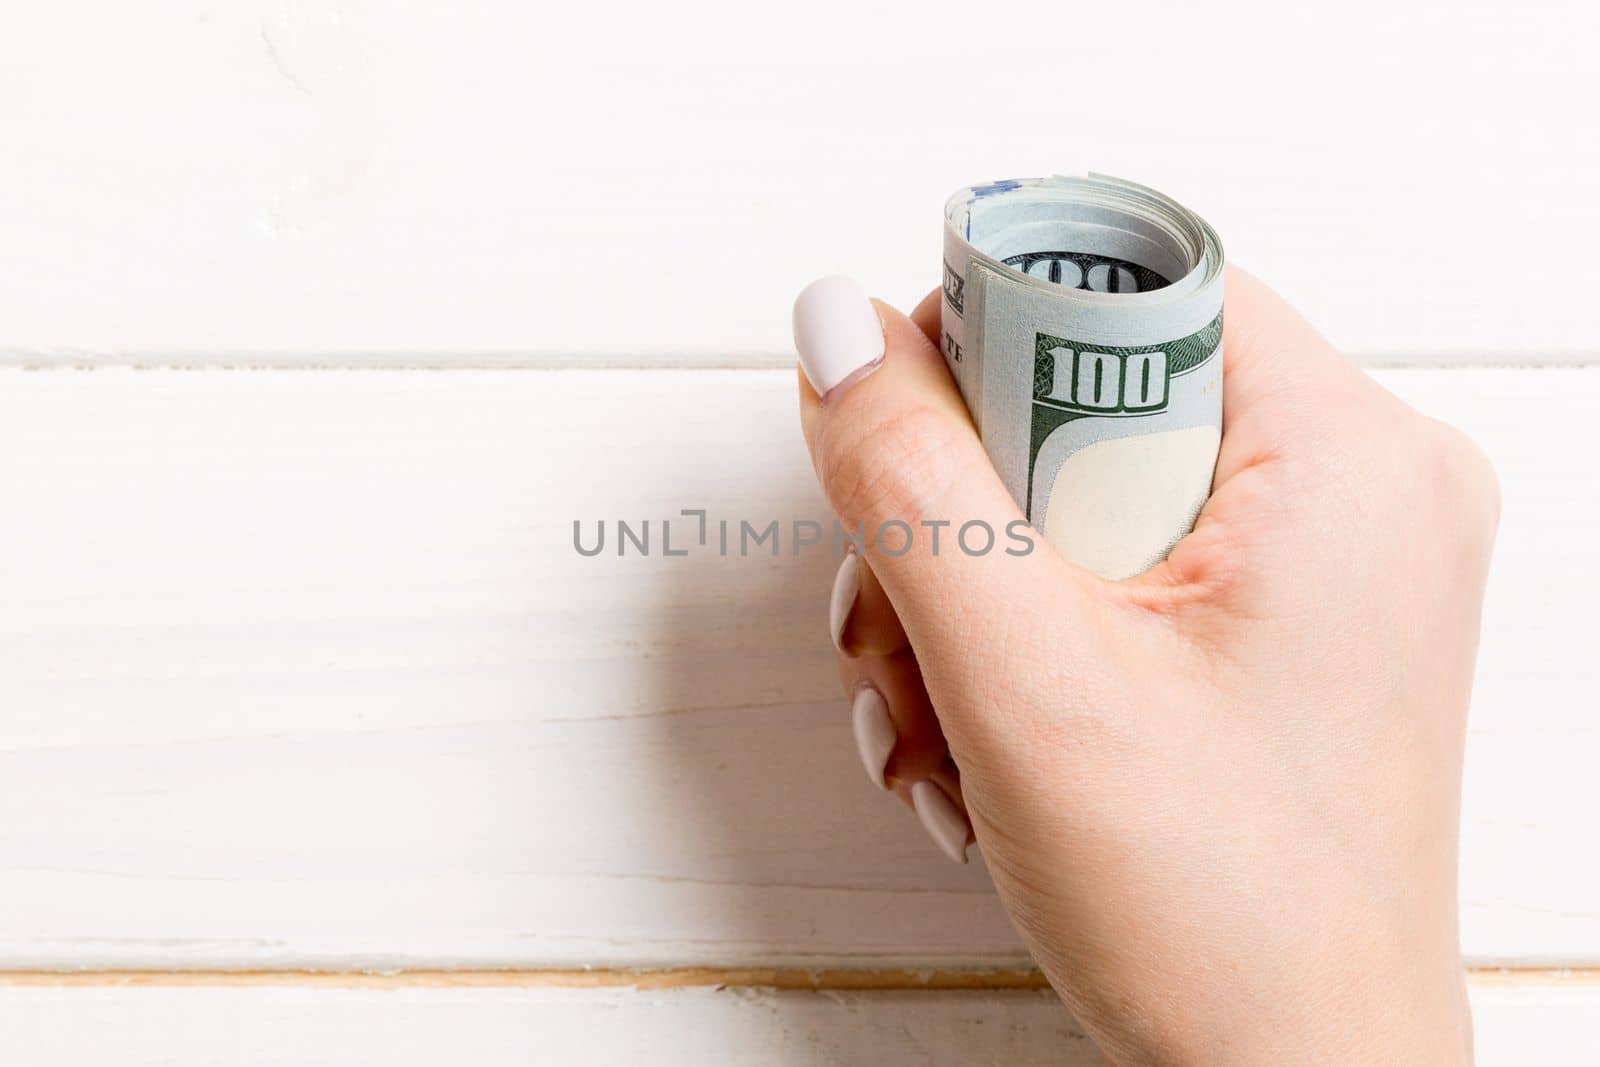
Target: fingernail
(945, 822)
(875, 735)
(846, 584)
(837, 333)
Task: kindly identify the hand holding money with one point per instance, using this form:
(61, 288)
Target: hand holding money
(1219, 799)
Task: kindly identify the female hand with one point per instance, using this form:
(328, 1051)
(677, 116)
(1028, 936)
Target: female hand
(1220, 801)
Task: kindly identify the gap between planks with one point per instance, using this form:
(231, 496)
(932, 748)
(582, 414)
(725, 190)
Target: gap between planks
(793, 978)
(67, 359)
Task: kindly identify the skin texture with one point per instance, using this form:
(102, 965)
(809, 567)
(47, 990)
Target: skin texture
(1220, 801)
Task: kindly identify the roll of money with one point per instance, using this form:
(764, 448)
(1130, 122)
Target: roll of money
(1082, 318)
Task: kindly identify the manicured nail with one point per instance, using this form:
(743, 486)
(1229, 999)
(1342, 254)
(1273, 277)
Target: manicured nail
(944, 821)
(846, 584)
(875, 736)
(837, 333)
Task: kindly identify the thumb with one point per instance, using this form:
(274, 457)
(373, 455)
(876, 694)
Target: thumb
(899, 458)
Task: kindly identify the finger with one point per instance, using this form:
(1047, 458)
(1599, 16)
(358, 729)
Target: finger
(897, 733)
(897, 455)
(1280, 377)
(860, 616)
(926, 316)
(1283, 384)
(940, 807)
(902, 747)
(1268, 347)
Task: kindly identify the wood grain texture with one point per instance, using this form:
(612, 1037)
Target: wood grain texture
(485, 1028)
(1542, 1026)
(300, 669)
(807, 979)
(353, 181)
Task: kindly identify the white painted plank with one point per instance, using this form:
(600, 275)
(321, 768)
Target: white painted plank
(359, 180)
(300, 669)
(1526, 1026)
(684, 1028)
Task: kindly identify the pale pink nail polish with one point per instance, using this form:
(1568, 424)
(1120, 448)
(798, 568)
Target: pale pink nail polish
(944, 821)
(837, 333)
(842, 600)
(875, 732)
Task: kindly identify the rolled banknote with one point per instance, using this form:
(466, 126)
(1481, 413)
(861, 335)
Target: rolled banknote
(1082, 318)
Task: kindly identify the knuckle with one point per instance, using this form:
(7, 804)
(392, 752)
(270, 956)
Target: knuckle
(1462, 475)
(895, 465)
(1446, 492)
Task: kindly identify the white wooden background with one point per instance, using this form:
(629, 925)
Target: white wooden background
(300, 673)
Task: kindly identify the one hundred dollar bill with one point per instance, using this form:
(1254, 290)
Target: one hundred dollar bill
(1082, 318)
